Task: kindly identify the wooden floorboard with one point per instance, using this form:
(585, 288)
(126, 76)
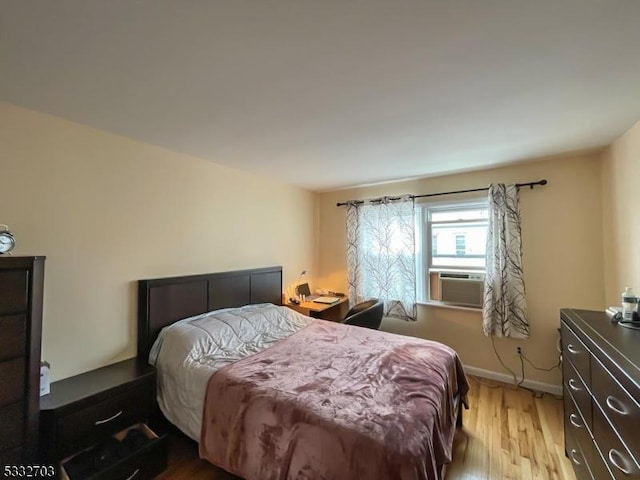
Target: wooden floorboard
(507, 434)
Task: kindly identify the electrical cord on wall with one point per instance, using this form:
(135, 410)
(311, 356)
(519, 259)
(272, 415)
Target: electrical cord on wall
(521, 356)
(557, 365)
(504, 365)
(516, 383)
(542, 369)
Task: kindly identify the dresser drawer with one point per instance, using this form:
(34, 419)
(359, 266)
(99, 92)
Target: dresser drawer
(618, 459)
(145, 462)
(14, 336)
(84, 427)
(577, 459)
(12, 425)
(599, 469)
(577, 390)
(13, 456)
(12, 375)
(577, 429)
(618, 405)
(14, 288)
(577, 353)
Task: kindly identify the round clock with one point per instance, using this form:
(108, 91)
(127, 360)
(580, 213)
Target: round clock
(7, 242)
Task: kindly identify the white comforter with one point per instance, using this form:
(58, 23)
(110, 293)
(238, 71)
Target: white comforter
(187, 352)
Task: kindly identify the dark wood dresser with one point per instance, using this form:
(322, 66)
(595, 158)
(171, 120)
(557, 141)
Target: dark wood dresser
(601, 387)
(21, 291)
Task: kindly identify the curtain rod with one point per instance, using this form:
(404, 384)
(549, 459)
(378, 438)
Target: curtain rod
(358, 202)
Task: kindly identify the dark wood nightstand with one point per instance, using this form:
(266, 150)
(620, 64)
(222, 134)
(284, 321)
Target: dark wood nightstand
(84, 413)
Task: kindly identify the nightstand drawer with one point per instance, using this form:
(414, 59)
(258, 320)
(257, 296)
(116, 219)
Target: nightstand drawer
(144, 462)
(86, 426)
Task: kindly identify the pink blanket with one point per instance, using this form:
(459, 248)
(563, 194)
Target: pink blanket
(335, 402)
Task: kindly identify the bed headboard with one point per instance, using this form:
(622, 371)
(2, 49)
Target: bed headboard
(163, 301)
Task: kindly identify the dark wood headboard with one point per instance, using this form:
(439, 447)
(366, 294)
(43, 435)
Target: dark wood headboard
(163, 301)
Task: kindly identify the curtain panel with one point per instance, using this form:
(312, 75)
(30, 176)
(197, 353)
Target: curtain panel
(381, 254)
(504, 306)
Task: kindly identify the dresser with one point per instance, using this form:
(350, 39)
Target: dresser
(601, 388)
(21, 291)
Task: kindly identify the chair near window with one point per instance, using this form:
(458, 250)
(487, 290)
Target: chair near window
(366, 314)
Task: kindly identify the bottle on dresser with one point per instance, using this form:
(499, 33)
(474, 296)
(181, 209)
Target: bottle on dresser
(629, 304)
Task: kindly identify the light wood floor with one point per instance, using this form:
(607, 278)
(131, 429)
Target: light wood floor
(508, 434)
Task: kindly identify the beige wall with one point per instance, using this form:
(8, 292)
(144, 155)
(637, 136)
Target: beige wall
(621, 214)
(107, 211)
(562, 245)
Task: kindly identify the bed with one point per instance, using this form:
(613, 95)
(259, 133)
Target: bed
(271, 394)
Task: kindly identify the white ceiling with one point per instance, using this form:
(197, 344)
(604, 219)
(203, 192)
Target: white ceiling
(332, 93)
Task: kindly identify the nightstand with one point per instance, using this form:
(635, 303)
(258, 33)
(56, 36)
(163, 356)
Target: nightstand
(85, 415)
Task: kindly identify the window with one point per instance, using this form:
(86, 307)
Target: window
(451, 245)
(461, 244)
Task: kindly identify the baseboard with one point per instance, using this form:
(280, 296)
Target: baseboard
(506, 378)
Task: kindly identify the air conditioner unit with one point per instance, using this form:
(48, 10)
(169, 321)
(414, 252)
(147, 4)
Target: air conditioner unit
(464, 289)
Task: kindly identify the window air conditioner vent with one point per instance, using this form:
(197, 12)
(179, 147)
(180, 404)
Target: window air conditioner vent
(464, 289)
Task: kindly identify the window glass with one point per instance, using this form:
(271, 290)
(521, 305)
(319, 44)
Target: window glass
(452, 237)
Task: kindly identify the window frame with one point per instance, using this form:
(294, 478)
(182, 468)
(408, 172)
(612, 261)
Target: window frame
(424, 244)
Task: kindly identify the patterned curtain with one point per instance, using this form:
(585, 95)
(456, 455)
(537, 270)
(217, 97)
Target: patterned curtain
(504, 306)
(381, 254)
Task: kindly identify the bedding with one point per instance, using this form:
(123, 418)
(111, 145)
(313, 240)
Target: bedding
(187, 352)
(290, 397)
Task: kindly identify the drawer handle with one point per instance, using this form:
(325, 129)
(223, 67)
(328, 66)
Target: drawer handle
(613, 454)
(573, 456)
(573, 418)
(106, 420)
(616, 405)
(572, 349)
(133, 474)
(572, 384)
